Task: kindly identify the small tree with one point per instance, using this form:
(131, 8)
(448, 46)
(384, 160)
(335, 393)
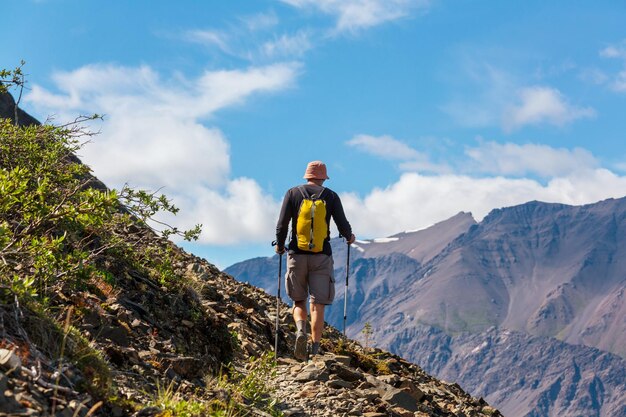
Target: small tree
(367, 332)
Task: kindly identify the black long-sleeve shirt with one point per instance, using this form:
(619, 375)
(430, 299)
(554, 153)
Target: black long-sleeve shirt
(289, 214)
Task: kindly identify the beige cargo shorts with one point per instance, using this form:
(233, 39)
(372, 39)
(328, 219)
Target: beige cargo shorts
(310, 275)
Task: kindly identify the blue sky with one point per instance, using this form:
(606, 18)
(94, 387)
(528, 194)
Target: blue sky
(420, 109)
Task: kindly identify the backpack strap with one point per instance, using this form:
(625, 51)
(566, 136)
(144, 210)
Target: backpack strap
(304, 192)
(306, 195)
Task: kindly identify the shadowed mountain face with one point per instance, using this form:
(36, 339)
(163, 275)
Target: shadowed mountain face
(542, 269)
(8, 110)
(550, 273)
(526, 375)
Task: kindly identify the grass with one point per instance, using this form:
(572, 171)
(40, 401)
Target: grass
(67, 344)
(368, 361)
(172, 404)
(252, 387)
(242, 390)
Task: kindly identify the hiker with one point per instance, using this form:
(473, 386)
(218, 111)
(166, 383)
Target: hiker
(308, 208)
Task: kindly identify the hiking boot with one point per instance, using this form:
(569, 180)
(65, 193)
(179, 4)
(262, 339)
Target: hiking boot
(300, 351)
(315, 349)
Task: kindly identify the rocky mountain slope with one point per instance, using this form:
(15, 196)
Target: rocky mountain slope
(170, 335)
(543, 269)
(536, 269)
(147, 337)
(525, 375)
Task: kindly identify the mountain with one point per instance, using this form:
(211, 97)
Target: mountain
(421, 245)
(524, 375)
(550, 274)
(542, 269)
(138, 327)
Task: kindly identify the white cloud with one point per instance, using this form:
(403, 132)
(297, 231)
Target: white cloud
(594, 76)
(542, 160)
(224, 88)
(242, 213)
(619, 83)
(614, 51)
(252, 39)
(618, 51)
(123, 93)
(153, 137)
(359, 14)
(417, 201)
(260, 21)
(389, 148)
(208, 38)
(287, 45)
(488, 157)
(167, 152)
(620, 166)
(540, 104)
(384, 146)
(495, 97)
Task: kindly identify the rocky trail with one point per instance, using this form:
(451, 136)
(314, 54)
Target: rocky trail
(328, 385)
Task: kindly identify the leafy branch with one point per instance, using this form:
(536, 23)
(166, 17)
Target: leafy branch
(54, 224)
(13, 78)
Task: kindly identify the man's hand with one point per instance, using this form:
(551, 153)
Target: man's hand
(351, 240)
(279, 250)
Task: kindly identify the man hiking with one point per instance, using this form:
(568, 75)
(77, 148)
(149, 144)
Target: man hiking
(308, 208)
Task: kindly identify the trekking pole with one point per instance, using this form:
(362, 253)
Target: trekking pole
(345, 294)
(280, 267)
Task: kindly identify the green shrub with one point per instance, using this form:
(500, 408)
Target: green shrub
(55, 221)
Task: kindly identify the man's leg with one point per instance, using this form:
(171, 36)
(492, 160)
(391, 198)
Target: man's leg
(296, 283)
(299, 316)
(317, 325)
(322, 289)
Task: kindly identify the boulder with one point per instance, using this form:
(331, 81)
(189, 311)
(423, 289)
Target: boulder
(398, 398)
(9, 361)
(345, 373)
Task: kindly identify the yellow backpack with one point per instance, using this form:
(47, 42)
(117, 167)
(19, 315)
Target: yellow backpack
(311, 226)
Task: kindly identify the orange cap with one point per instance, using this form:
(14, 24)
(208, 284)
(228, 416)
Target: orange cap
(315, 170)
